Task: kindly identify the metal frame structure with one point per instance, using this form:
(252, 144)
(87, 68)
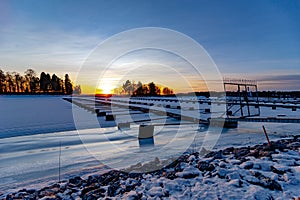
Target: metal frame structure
(243, 97)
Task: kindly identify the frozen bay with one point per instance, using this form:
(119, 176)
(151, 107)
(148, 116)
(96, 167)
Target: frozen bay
(32, 129)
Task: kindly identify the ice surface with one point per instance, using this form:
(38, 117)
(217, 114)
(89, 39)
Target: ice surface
(32, 129)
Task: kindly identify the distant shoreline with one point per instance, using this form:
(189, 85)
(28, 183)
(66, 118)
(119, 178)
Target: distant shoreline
(268, 94)
(33, 94)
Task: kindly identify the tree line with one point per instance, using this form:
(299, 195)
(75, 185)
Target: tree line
(30, 83)
(139, 89)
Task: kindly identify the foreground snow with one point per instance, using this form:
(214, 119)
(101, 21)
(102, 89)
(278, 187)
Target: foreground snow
(259, 172)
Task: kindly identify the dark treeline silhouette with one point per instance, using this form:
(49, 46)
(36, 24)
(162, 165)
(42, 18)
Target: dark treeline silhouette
(273, 94)
(265, 94)
(138, 89)
(30, 83)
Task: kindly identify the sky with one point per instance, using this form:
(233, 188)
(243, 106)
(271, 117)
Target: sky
(245, 39)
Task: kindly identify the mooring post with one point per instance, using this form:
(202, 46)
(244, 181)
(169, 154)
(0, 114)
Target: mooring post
(269, 143)
(145, 135)
(124, 125)
(109, 117)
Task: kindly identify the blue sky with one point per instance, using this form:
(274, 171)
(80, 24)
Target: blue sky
(247, 39)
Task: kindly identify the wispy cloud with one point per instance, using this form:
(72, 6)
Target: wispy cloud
(276, 80)
(51, 50)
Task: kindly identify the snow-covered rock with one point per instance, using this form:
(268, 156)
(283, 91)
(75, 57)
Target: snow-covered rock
(189, 172)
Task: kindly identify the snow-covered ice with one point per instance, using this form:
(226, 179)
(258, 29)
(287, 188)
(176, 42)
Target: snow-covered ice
(32, 129)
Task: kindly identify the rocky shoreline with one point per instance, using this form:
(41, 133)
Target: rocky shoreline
(257, 172)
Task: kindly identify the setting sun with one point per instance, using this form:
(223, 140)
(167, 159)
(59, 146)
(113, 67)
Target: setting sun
(106, 89)
(106, 86)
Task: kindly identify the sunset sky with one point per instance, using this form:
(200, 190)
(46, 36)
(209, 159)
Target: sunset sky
(246, 39)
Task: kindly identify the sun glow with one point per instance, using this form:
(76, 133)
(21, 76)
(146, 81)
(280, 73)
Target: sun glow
(106, 89)
(106, 86)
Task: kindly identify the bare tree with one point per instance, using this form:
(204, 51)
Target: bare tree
(30, 77)
(2, 82)
(16, 80)
(68, 85)
(9, 82)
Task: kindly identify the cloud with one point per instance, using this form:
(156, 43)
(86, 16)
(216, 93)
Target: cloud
(275, 80)
(287, 77)
(50, 50)
(280, 82)
(58, 51)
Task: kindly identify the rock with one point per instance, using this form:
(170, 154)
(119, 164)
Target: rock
(215, 155)
(169, 175)
(48, 198)
(67, 192)
(251, 179)
(191, 158)
(277, 171)
(294, 146)
(270, 184)
(20, 194)
(71, 186)
(266, 182)
(235, 182)
(238, 153)
(63, 196)
(109, 177)
(156, 191)
(222, 172)
(47, 192)
(233, 175)
(75, 196)
(254, 153)
(260, 194)
(31, 191)
(256, 166)
(132, 195)
(263, 153)
(111, 190)
(278, 146)
(95, 194)
(222, 164)
(234, 161)
(87, 189)
(265, 166)
(189, 172)
(63, 185)
(205, 166)
(291, 179)
(91, 179)
(76, 180)
(247, 165)
(172, 186)
(183, 158)
(228, 151)
(135, 175)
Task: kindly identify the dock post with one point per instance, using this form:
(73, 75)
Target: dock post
(109, 117)
(145, 136)
(124, 125)
(101, 113)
